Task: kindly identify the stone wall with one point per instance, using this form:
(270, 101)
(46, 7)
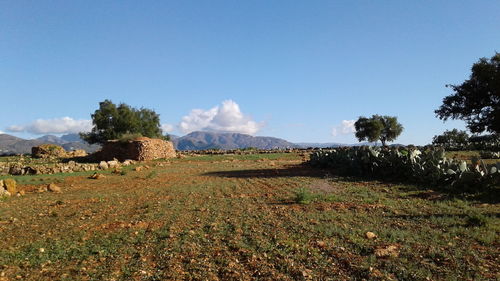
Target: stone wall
(140, 149)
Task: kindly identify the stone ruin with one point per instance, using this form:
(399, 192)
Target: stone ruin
(139, 149)
(55, 151)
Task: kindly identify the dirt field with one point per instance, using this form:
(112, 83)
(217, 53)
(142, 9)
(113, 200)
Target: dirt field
(242, 218)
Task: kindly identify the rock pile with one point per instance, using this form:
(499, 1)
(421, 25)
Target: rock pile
(140, 149)
(55, 151)
(48, 151)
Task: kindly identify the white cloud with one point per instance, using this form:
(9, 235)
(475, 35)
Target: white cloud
(225, 118)
(344, 128)
(167, 128)
(64, 125)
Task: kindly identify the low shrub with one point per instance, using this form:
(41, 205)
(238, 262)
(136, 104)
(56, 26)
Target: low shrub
(303, 196)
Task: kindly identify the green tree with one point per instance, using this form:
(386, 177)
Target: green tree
(452, 137)
(114, 122)
(383, 128)
(477, 100)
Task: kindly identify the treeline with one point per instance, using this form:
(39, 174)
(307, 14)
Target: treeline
(456, 140)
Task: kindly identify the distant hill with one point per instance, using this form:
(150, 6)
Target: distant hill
(320, 145)
(193, 141)
(51, 139)
(335, 144)
(212, 140)
(14, 145)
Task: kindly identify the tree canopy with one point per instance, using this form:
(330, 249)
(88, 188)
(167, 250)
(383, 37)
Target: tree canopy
(114, 122)
(476, 100)
(452, 137)
(383, 128)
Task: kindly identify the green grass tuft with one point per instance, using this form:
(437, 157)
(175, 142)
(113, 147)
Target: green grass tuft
(304, 196)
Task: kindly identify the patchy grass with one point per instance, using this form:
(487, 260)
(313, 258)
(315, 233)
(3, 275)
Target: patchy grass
(304, 196)
(242, 217)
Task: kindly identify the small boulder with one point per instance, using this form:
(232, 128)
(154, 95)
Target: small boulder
(113, 164)
(370, 235)
(103, 165)
(97, 176)
(128, 162)
(2, 191)
(321, 244)
(10, 185)
(390, 251)
(52, 187)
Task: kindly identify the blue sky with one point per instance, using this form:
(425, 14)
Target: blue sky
(290, 69)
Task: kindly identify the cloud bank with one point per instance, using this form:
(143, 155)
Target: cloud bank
(344, 128)
(167, 128)
(64, 125)
(225, 118)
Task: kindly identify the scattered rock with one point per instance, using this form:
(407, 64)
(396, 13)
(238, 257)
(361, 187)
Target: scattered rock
(52, 187)
(387, 251)
(138, 169)
(321, 244)
(10, 185)
(128, 162)
(117, 171)
(16, 170)
(103, 165)
(97, 176)
(113, 164)
(77, 153)
(370, 235)
(42, 189)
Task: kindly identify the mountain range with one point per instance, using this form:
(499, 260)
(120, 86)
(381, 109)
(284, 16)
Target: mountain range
(14, 145)
(192, 141)
(213, 140)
